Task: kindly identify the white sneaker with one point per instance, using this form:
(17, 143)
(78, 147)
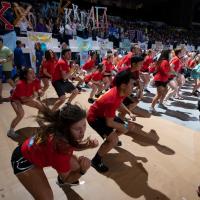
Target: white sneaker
(162, 106)
(11, 134)
(152, 110)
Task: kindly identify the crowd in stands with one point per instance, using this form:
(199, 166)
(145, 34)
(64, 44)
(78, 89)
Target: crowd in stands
(116, 30)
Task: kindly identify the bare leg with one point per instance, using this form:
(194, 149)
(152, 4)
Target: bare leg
(17, 106)
(94, 90)
(59, 102)
(35, 181)
(174, 88)
(158, 96)
(73, 95)
(45, 82)
(11, 82)
(109, 143)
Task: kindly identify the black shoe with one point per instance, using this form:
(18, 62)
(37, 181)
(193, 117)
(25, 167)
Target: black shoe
(146, 90)
(196, 94)
(79, 88)
(90, 100)
(119, 144)
(98, 95)
(100, 167)
(61, 184)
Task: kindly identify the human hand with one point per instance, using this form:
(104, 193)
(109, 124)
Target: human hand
(85, 163)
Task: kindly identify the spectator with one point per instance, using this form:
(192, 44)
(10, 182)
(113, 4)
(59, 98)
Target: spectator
(19, 59)
(39, 56)
(40, 27)
(6, 56)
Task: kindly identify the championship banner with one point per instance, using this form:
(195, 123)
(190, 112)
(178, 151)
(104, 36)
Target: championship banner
(10, 40)
(103, 43)
(4, 7)
(84, 44)
(126, 44)
(158, 45)
(83, 57)
(143, 45)
(43, 38)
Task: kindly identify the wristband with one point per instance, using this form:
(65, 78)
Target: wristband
(82, 172)
(126, 125)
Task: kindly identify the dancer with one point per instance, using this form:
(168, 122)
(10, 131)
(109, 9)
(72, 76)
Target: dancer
(62, 133)
(101, 117)
(175, 65)
(47, 68)
(145, 75)
(27, 89)
(60, 79)
(96, 82)
(132, 101)
(161, 78)
(90, 64)
(196, 76)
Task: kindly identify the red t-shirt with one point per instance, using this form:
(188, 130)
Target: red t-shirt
(126, 60)
(177, 65)
(162, 72)
(89, 65)
(191, 63)
(105, 106)
(61, 65)
(96, 76)
(109, 66)
(47, 155)
(24, 89)
(49, 65)
(147, 61)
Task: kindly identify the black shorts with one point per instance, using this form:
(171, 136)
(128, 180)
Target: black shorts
(161, 84)
(100, 126)
(6, 74)
(130, 100)
(63, 87)
(19, 163)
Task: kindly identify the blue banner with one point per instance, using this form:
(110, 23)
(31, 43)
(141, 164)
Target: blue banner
(84, 44)
(9, 40)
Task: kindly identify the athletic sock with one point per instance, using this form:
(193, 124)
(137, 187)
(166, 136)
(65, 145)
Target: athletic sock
(97, 158)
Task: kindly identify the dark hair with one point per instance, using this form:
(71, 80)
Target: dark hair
(64, 51)
(1, 39)
(164, 55)
(100, 67)
(133, 47)
(92, 53)
(47, 55)
(109, 51)
(58, 123)
(18, 42)
(177, 51)
(136, 59)
(123, 77)
(24, 72)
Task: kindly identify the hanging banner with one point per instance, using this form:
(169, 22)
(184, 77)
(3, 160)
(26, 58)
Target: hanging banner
(24, 14)
(158, 46)
(126, 44)
(10, 40)
(103, 43)
(143, 45)
(83, 57)
(84, 44)
(44, 38)
(4, 7)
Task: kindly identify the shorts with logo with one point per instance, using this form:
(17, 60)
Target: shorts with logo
(19, 163)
